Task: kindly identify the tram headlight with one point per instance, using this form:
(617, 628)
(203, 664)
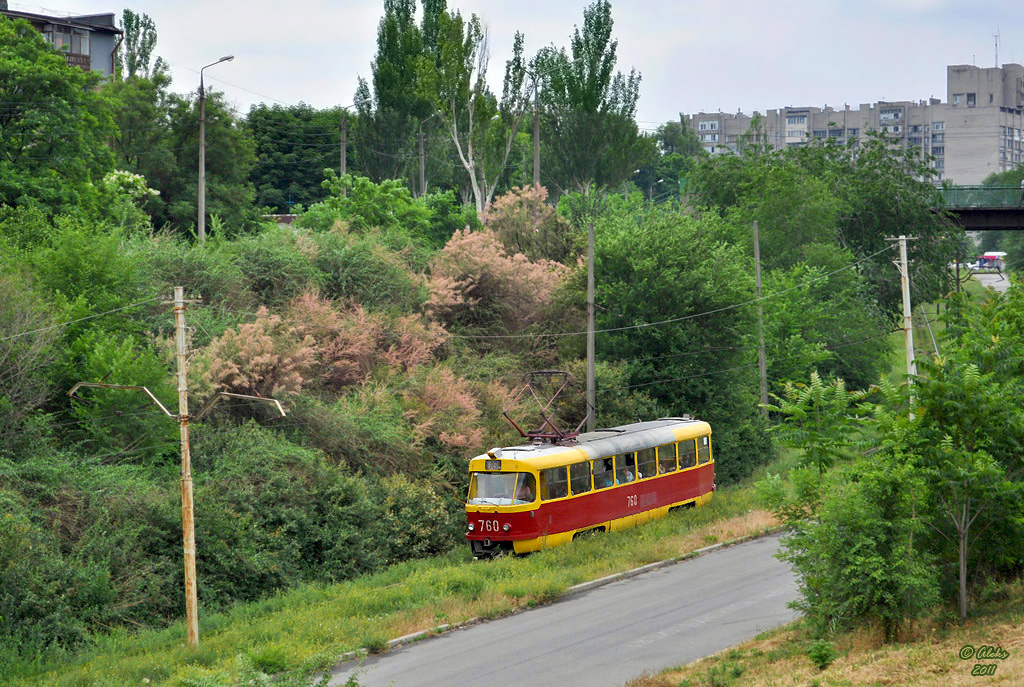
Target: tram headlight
(506, 527)
(471, 528)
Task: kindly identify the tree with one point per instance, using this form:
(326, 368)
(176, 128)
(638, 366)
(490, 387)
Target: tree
(589, 133)
(230, 156)
(856, 560)
(293, 146)
(481, 128)
(139, 41)
(55, 124)
(674, 270)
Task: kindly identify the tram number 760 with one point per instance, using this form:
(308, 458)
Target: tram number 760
(631, 501)
(489, 525)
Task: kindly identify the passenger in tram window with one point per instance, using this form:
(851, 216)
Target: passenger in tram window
(625, 468)
(603, 472)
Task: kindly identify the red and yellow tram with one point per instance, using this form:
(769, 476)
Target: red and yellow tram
(535, 496)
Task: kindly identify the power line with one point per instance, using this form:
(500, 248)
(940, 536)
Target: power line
(80, 319)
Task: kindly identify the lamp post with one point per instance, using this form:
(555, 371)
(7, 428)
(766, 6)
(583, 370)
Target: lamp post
(202, 149)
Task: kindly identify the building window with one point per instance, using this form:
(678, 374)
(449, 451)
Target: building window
(709, 137)
(940, 164)
(819, 133)
(989, 98)
(890, 115)
(938, 150)
(708, 126)
(66, 39)
(971, 99)
(914, 140)
(796, 119)
(852, 132)
(915, 128)
(957, 97)
(835, 133)
(938, 138)
(938, 126)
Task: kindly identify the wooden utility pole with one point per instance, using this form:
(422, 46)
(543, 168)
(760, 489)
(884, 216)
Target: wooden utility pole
(183, 417)
(591, 382)
(762, 364)
(187, 522)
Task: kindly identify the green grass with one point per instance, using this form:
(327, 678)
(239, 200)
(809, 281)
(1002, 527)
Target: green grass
(309, 628)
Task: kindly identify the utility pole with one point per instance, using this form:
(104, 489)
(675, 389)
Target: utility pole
(423, 166)
(762, 365)
(183, 417)
(536, 135)
(344, 147)
(591, 382)
(201, 228)
(908, 322)
(187, 522)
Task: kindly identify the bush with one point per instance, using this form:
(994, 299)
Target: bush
(526, 224)
(475, 283)
(361, 269)
(276, 264)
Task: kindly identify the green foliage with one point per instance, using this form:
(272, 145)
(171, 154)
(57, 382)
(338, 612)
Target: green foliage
(55, 125)
(857, 560)
(822, 652)
(275, 265)
(359, 268)
(665, 266)
(293, 147)
(363, 205)
(590, 136)
(139, 42)
(816, 421)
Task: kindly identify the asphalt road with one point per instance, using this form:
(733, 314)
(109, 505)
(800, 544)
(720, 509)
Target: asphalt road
(999, 282)
(606, 636)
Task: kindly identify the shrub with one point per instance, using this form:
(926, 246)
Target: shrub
(276, 264)
(362, 269)
(475, 283)
(266, 357)
(526, 224)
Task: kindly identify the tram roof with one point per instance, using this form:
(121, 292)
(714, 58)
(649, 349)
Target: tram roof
(605, 442)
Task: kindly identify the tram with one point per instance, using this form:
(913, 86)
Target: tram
(539, 495)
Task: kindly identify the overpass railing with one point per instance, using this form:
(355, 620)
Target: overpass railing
(983, 196)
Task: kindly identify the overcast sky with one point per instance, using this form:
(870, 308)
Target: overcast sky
(694, 56)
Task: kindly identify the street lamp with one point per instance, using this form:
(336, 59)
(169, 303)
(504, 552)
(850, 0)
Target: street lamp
(202, 149)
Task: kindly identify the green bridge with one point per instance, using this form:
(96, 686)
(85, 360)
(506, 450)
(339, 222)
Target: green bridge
(985, 207)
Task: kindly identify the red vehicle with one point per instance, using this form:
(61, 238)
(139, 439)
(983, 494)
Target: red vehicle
(535, 496)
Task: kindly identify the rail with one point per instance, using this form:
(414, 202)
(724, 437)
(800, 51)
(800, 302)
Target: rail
(982, 197)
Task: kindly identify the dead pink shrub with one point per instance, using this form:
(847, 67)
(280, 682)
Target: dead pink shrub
(351, 343)
(266, 357)
(526, 224)
(475, 282)
(443, 407)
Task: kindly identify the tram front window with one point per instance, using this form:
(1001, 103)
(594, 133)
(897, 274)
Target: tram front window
(501, 488)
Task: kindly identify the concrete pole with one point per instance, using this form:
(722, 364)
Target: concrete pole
(536, 136)
(908, 323)
(591, 382)
(187, 522)
(201, 226)
(762, 365)
(423, 166)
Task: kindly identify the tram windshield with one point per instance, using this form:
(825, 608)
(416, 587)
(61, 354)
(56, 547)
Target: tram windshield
(501, 488)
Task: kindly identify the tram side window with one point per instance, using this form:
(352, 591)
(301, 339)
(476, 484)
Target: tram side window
(604, 474)
(553, 484)
(625, 468)
(703, 450)
(687, 454)
(646, 463)
(666, 459)
(579, 477)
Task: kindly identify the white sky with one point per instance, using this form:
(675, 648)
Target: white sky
(693, 56)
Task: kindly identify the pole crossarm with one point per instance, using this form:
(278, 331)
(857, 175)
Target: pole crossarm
(98, 385)
(224, 394)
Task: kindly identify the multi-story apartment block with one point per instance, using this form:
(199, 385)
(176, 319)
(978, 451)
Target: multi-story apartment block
(88, 41)
(976, 132)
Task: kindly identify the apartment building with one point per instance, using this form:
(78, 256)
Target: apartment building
(975, 132)
(88, 41)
